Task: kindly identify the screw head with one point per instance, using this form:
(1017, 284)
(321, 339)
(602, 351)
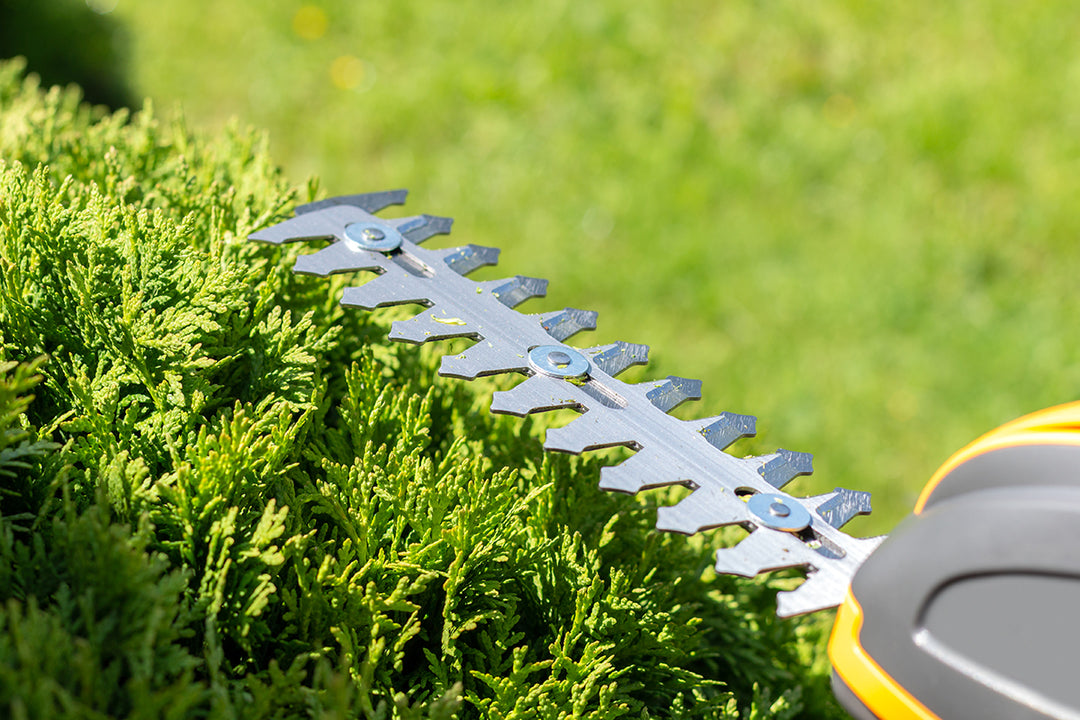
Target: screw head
(779, 509)
(369, 236)
(778, 512)
(558, 361)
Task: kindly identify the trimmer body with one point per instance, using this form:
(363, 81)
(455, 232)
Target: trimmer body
(971, 608)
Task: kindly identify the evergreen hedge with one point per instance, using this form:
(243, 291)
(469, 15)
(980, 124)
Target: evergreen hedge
(224, 496)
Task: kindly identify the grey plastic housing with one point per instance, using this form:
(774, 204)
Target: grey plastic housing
(973, 606)
(850, 700)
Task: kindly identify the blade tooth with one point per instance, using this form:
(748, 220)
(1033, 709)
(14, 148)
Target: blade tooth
(463, 260)
(618, 356)
(393, 288)
(707, 507)
(369, 202)
(536, 394)
(763, 550)
(646, 469)
(724, 429)
(840, 506)
(339, 257)
(827, 581)
(511, 292)
(670, 393)
(564, 324)
(592, 431)
(421, 227)
(785, 466)
(320, 224)
(431, 324)
(637, 472)
(483, 358)
(820, 591)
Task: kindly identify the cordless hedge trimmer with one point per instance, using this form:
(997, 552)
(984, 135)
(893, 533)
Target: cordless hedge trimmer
(959, 614)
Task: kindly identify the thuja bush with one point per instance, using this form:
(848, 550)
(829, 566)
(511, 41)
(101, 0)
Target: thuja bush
(223, 496)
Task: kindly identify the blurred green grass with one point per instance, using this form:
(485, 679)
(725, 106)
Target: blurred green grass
(855, 220)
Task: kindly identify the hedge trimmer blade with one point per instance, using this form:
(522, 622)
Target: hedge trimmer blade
(785, 531)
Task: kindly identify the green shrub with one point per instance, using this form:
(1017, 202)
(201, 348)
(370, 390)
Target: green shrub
(229, 498)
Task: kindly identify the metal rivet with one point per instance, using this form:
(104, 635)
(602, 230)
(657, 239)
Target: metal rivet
(558, 361)
(559, 358)
(369, 236)
(779, 512)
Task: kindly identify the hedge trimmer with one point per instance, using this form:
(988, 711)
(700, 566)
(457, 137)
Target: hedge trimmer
(913, 637)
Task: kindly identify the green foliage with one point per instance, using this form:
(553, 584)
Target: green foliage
(17, 446)
(224, 502)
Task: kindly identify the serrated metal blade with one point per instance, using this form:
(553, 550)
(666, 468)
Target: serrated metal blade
(724, 429)
(434, 324)
(421, 227)
(511, 292)
(785, 466)
(671, 393)
(785, 531)
(840, 506)
(618, 356)
(564, 324)
(464, 260)
(369, 202)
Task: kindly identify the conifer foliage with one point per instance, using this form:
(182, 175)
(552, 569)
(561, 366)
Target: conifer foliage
(221, 496)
